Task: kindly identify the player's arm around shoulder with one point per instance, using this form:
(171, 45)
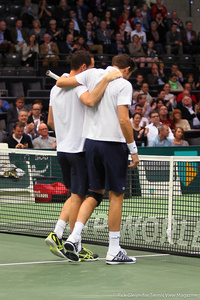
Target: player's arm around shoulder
(127, 130)
(65, 81)
(90, 99)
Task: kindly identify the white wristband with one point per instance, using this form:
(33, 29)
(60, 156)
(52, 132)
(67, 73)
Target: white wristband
(132, 148)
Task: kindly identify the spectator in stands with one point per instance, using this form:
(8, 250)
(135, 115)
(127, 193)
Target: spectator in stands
(18, 139)
(188, 38)
(71, 30)
(153, 35)
(139, 109)
(142, 99)
(139, 80)
(124, 34)
(81, 10)
(141, 33)
(179, 75)
(190, 112)
(110, 23)
(4, 105)
(62, 14)
(56, 34)
(162, 138)
(97, 7)
(163, 114)
(151, 52)
(161, 95)
(179, 137)
(140, 133)
(153, 126)
(136, 51)
(173, 41)
(44, 113)
(93, 19)
(190, 78)
(18, 35)
(38, 31)
(28, 128)
(176, 117)
(161, 26)
(187, 87)
(13, 113)
(175, 20)
(156, 76)
(44, 141)
(125, 18)
(79, 44)
(169, 96)
(145, 13)
(159, 102)
(29, 13)
(145, 90)
(140, 19)
(104, 37)
(158, 7)
(5, 39)
(36, 117)
(118, 46)
(3, 135)
(49, 52)
(175, 85)
(67, 47)
(30, 51)
(78, 25)
(44, 14)
(90, 38)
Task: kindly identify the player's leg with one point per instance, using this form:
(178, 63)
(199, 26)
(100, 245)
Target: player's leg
(54, 240)
(116, 164)
(94, 199)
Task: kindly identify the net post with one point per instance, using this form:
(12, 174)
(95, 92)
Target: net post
(170, 203)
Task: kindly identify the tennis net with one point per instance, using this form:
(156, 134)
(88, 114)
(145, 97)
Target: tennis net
(161, 209)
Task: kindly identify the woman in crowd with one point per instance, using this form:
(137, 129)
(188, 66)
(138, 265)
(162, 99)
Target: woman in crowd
(30, 51)
(140, 133)
(136, 50)
(38, 31)
(110, 24)
(44, 13)
(176, 117)
(179, 137)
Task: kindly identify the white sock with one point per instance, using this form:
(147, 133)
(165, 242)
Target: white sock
(77, 230)
(59, 228)
(114, 237)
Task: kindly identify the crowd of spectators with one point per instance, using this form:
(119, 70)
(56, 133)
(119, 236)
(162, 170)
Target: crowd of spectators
(144, 32)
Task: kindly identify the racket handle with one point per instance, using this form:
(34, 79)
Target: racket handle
(52, 75)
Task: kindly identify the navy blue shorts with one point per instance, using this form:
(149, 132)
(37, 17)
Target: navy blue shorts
(107, 164)
(74, 171)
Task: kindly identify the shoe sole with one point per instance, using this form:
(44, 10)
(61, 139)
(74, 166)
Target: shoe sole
(90, 259)
(119, 262)
(53, 248)
(71, 251)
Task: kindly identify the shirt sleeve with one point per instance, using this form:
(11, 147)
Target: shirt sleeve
(83, 77)
(125, 94)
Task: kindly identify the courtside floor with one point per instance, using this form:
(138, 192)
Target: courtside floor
(29, 271)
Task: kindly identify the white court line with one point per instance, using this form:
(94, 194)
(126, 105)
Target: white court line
(66, 261)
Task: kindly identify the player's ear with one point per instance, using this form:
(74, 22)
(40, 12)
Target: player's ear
(84, 67)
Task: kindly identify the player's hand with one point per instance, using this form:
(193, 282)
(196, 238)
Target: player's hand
(135, 161)
(113, 75)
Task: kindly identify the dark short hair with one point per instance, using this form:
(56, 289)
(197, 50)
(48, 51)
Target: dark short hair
(20, 97)
(153, 112)
(136, 113)
(18, 123)
(79, 58)
(123, 61)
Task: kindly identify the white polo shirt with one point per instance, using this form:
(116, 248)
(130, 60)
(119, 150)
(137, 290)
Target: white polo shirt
(101, 121)
(68, 115)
